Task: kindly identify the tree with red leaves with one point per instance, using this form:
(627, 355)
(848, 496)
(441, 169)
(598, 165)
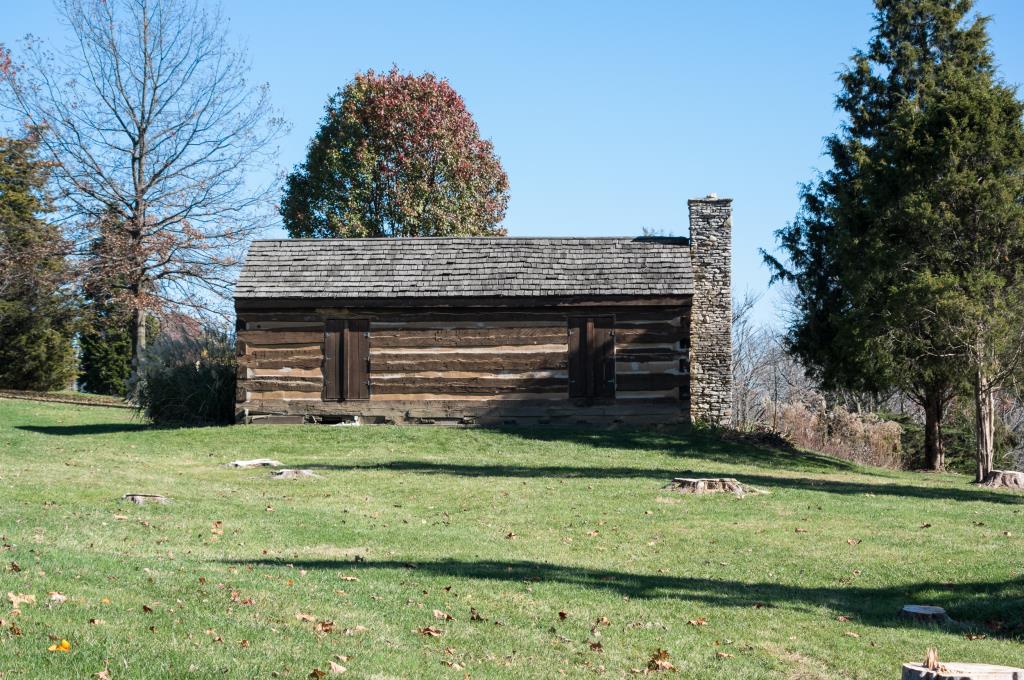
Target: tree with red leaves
(397, 155)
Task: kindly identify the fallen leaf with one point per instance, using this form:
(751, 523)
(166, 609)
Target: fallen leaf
(14, 567)
(349, 578)
(96, 622)
(851, 633)
(306, 618)
(853, 541)
(660, 661)
(103, 674)
(842, 618)
(430, 631)
(723, 655)
(593, 533)
(355, 631)
(443, 616)
(474, 615)
(563, 615)
(20, 598)
(62, 646)
(317, 673)
(454, 665)
(596, 647)
(336, 668)
(511, 535)
(699, 621)
(975, 636)
(801, 530)
(926, 526)
(146, 609)
(244, 644)
(104, 600)
(57, 598)
(324, 626)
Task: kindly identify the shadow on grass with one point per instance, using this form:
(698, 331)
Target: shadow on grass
(769, 482)
(687, 443)
(999, 605)
(92, 428)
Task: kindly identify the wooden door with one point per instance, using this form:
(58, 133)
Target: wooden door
(591, 357)
(357, 359)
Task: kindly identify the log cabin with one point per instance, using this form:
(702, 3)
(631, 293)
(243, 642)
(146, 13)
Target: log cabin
(489, 331)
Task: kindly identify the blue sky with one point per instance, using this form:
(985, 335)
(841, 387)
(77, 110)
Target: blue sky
(607, 116)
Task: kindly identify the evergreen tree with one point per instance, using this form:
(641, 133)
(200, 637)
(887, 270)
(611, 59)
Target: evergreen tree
(893, 245)
(36, 311)
(106, 346)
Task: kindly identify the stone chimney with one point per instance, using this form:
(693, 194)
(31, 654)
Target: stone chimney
(711, 316)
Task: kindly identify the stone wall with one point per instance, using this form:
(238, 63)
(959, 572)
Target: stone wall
(711, 317)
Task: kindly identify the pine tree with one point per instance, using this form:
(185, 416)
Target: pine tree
(36, 310)
(106, 346)
(922, 200)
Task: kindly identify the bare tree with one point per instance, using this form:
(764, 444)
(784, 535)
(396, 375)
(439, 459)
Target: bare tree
(764, 374)
(153, 130)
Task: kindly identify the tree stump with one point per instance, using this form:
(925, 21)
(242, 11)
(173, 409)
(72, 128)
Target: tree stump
(1005, 479)
(143, 498)
(961, 671)
(255, 463)
(293, 474)
(922, 613)
(706, 485)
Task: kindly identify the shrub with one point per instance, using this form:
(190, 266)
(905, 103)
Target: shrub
(188, 381)
(859, 437)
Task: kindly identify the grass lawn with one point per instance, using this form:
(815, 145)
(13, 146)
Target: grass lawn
(563, 543)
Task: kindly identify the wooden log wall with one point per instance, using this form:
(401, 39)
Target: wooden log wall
(471, 364)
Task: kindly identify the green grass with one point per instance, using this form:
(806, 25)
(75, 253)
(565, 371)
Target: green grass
(428, 513)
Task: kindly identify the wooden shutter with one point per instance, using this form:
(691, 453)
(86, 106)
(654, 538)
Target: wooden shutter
(332, 360)
(577, 357)
(592, 357)
(602, 355)
(357, 359)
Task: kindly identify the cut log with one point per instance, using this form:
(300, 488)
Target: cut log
(922, 613)
(293, 474)
(1005, 479)
(143, 498)
(706, 485)
(961, 671)
(255, 463)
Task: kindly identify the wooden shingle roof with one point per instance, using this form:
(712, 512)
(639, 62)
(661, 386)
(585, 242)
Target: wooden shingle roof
(465, 267)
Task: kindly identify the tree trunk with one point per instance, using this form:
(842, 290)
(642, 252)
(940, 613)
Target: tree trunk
(934, 451)
(984, 427)
(138, 332)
